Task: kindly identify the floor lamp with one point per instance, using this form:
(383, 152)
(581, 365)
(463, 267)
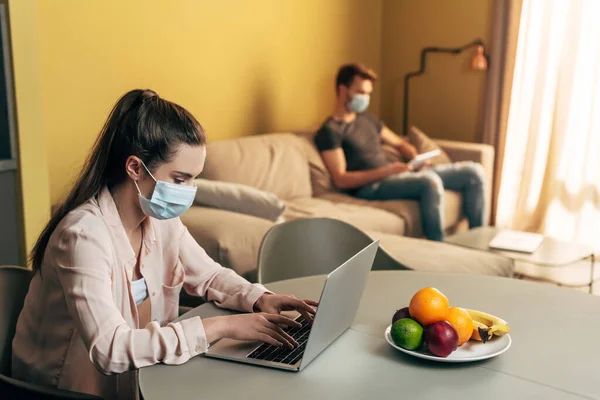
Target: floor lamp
(479, 62)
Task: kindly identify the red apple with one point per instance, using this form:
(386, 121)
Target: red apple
(441, 338)
(401, 313)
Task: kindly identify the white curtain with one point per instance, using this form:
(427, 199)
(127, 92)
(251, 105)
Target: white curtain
(550, 176)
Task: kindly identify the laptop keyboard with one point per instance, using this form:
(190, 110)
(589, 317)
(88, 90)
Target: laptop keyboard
(285, 355)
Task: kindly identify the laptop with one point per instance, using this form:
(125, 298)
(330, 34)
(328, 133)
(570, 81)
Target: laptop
(338, 304)
(521, 242)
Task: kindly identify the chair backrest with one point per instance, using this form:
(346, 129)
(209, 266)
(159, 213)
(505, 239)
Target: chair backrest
(14, 284)
(306, 247)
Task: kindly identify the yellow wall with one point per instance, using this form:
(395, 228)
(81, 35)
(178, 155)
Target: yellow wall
(241, 67)
(447, 101)
(33, 173)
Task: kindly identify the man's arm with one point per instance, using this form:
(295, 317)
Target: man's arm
(335, 161)
(406, 149)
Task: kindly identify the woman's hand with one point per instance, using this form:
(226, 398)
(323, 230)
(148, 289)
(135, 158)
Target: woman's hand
(276, 303)
(260, 326)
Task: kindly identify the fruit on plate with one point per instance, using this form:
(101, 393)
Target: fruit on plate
(487, 325)
(428, 305)
(407, 333)
(401, 313)
(430, 323)
(441, 338)
(461, 320)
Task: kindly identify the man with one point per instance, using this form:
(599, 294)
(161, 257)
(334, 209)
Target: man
(350, 142)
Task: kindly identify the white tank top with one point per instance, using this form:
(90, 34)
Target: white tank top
(140, 291)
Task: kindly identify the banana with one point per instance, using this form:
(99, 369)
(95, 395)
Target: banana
(486, 325)
(480, 331)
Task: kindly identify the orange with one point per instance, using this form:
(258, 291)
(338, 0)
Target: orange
(460, 319)
(428, 305)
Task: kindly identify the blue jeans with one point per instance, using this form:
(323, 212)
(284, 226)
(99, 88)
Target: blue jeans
(427, 186)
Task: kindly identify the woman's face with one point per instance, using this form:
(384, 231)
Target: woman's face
(186, 165)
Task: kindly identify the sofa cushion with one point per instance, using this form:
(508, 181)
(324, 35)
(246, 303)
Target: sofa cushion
(361, 216)
(231, 239)
(320, 177)
(426, 255)
(423, 143)
(273, 163)
(408, 210)
(239, 198)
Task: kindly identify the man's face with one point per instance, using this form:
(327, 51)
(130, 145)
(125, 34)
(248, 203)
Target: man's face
(359, 86)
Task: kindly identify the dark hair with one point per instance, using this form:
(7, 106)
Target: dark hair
(140, 124)
(346, 74)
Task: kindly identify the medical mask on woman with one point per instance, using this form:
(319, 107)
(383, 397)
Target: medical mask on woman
(359, 103)
(168, 199)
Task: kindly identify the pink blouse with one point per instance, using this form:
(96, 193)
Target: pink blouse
(79, 328)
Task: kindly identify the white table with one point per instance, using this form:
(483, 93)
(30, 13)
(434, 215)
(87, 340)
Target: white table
(555, 352)
(545, 264)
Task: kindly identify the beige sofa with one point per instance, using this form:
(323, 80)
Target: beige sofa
(289, 165)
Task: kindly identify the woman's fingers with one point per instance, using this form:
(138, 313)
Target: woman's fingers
(264, 337)
(304, 307)
(287, 336)
(300, 306)
(306, 316)
(312, 303)
(281, 336)
(284, 334)
(280, 320)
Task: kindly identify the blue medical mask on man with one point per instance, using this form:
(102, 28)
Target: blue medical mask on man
(168, 199)
(359, 103)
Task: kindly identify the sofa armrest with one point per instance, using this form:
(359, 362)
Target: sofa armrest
(231, 239)
(477, 152)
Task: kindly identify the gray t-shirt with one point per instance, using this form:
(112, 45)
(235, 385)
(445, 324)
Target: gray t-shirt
(360, 140)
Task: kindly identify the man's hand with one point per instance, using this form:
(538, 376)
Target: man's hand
(276, 303)
(398, 167)
(407, 150)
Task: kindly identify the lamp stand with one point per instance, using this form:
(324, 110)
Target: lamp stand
(421, 70)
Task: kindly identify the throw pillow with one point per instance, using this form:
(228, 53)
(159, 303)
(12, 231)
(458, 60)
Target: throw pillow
(239, 198)
(423, 143)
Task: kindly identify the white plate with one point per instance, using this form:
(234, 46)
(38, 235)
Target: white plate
(470, 351)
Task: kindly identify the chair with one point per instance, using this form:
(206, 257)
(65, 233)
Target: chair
(314, 246)
(14, 283)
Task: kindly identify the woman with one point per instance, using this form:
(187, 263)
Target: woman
(112, 260)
